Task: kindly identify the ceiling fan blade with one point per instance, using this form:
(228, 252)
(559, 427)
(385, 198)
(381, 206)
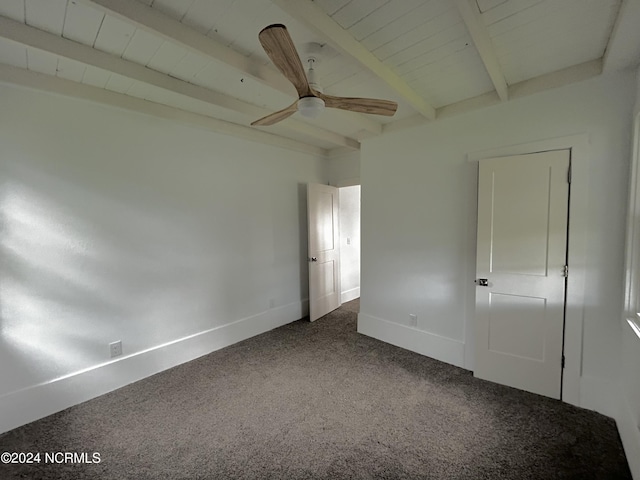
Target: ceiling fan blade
(360, 105)
(277, 43)
(277, 116)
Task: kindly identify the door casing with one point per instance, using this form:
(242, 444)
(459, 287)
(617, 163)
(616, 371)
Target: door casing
(577, 254)
(521, 257)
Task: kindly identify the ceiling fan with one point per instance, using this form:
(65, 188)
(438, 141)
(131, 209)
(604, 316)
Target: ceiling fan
(278, 45)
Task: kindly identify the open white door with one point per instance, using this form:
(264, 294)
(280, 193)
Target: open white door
(324, 249)
(521, 274)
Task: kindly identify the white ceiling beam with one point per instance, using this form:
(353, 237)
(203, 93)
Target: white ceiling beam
(47, 83)
(33, 37)
(623, 48)
(156, 22)
(548, 81)
(480, 35)
(559, 78)
(308, 13)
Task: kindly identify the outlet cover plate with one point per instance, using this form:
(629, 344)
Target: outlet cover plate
(115, 348)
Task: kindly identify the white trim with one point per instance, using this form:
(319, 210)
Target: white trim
(35, 402)
(578, 214)
(429, 344)
(635, 326)
(632, 253)
(630, 436)
(600, 395)
(604, 396)
(349, 295)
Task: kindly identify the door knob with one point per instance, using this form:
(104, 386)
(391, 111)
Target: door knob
(482, 282)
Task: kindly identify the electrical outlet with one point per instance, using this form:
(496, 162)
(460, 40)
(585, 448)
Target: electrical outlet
(348, 240)
(115, 348)
(413, 320)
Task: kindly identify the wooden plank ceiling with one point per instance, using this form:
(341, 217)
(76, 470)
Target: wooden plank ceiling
(203, 57)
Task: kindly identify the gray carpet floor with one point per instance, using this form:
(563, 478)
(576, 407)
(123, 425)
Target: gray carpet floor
(319, 401)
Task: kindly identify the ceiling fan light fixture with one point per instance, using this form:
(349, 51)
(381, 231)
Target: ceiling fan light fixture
(310, 107)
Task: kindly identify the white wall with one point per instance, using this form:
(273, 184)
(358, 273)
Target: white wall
(419, 214)
(629, 414)
(344, 169)
(121, 226)
(350, 242)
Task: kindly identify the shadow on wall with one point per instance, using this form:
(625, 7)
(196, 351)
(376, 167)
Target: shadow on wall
(82, 269)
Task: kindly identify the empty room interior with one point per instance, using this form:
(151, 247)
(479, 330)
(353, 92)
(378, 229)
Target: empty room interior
(320, 239)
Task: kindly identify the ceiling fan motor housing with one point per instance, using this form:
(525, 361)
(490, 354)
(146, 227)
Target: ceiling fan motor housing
(311, 106)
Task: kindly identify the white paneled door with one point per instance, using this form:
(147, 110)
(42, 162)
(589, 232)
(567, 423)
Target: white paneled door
(324, 249)
(521, 276)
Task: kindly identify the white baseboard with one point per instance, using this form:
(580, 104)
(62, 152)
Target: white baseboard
(600, 395)
(38, 401)
(630, 436)
(604, 396)
(349, 295)
(425, 343)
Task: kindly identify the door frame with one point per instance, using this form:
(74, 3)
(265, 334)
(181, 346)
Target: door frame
(577, 242)
(350, 182)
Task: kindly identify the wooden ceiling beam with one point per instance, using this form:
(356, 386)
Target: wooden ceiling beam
(54, 44)
(308, 13)
(482, 41)
(157, 23)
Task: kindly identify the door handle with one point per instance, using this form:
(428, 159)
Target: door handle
(313, 259)
(482, 282)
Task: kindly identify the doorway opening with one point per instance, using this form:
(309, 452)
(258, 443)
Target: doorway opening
(350, 242)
